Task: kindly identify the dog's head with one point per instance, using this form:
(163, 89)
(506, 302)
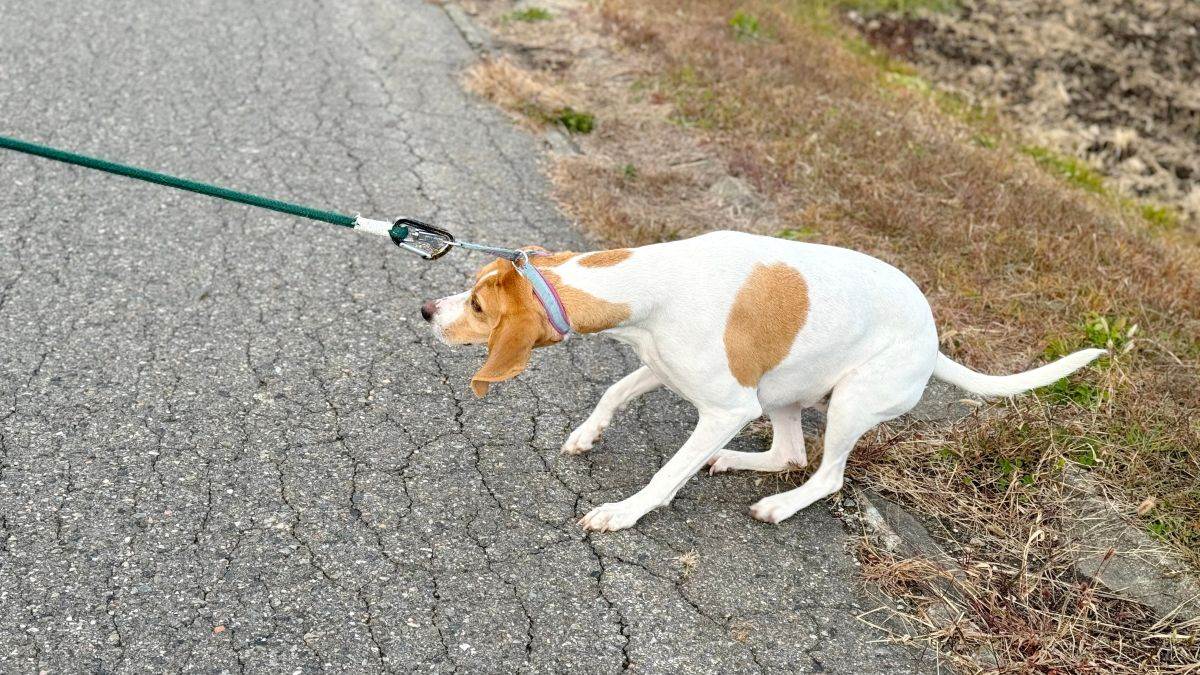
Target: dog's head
(499, 310)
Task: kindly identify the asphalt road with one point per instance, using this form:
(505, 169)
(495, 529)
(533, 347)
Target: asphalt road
(226, 441)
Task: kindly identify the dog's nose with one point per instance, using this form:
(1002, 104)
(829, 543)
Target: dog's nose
(428, 310)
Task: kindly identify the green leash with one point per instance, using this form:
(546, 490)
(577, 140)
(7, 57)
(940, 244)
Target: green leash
(425, 240)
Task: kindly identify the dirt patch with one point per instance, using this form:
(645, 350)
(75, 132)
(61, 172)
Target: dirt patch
(1113, 81)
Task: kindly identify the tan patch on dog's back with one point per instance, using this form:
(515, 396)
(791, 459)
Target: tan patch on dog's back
(588, 314)
(767, 313)
(605, 258)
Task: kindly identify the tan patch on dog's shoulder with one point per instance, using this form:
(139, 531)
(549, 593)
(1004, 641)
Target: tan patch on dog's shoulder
(767, 313)
(588, 314)
(605, 258)
(552, 259)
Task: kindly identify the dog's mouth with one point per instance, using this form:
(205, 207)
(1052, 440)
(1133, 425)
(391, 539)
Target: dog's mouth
(440, 334)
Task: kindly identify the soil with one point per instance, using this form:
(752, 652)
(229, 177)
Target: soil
(1116, 82)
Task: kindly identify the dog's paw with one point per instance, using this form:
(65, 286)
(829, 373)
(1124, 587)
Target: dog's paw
(721, 462)
(582, 439)
(612, 517)
(773, 509)
(731, 460)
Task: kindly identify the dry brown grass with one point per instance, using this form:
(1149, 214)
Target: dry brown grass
(995, 618)
(1017, 264)
(1012, 600)
(533, 98)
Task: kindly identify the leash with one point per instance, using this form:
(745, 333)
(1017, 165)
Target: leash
(428, 241)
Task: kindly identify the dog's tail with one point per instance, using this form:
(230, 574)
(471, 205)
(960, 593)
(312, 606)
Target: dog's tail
(1009, 385)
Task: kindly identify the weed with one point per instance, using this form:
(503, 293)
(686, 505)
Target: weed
(1160, 530)
(529, 15)
(745, 26)
(629, 171)
(687, 563)
(576, 121)
(1069, 390)
(1112, 334)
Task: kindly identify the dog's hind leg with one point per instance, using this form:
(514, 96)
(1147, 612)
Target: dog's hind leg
(877, 391)
(787, 447)
(623, 391)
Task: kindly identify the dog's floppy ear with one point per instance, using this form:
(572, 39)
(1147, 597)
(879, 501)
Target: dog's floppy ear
(509, 347)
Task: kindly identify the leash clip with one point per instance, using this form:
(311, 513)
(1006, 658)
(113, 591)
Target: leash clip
(428, 241)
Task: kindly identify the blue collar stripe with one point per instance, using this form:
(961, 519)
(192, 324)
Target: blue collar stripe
(546, 295)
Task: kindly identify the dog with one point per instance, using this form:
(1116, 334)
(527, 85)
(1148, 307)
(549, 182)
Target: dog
(738, 325)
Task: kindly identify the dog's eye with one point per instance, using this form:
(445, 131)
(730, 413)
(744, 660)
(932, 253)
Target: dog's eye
(475, 304)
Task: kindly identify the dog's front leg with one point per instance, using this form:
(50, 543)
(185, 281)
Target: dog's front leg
(715, 428)
(624, 390)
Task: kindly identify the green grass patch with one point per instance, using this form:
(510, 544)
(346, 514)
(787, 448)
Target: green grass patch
(1161, 217)
(1102, 332)
(1099, 331)
(1070, 390)
(1073, 170)
(745, 26)
(797, 234)
(530, 15)
(576, 121)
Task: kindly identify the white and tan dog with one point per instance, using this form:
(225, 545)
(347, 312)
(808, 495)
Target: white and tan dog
(739, 325)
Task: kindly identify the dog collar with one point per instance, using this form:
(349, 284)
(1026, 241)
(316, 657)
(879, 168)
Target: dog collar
(556, 312)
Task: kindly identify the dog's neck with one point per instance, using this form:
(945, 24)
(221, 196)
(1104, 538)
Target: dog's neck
(591, 289)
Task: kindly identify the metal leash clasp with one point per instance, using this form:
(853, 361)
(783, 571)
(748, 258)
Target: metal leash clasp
(428, 241)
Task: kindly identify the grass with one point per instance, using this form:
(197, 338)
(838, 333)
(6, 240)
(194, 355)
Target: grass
(1073, 170)
(899, 6)
(1161, 217)
(533, 98)
(1024, 254)
(745, 26)
(529, 15)
(575, 121)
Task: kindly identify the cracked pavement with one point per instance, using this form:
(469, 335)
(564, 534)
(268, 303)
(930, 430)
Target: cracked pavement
(227, 443)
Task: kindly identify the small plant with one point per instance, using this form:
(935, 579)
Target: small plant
(745, 26)
(1115, 335)
(688, 561)
(576, 121)
(1012, 470)
(530, 15)
(1161, 217)
(1112, 333)
(629, 171)
(1087, 456)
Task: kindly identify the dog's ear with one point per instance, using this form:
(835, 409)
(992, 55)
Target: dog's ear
(509, 347)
